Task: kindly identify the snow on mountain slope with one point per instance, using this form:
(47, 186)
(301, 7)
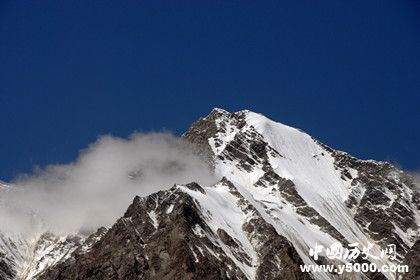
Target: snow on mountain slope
(311, 168)
(27, 256)
(222, 212)
(25, 252)
(306, 189)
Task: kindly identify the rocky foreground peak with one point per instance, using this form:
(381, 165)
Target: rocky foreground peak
(281, 192)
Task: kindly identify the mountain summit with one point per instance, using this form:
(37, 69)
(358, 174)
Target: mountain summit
(280, 194)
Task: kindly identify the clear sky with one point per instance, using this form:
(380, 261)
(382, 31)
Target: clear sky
(347, 72)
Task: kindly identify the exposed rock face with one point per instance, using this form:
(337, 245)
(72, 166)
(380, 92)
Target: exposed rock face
(6, 271)
(383, 198)
(412, 259)
(281, 193)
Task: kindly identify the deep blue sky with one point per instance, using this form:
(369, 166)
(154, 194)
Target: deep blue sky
(347, 72)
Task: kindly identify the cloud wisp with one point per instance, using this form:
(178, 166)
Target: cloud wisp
(96, 189)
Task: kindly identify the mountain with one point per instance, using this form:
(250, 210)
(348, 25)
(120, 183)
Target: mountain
(281, 192)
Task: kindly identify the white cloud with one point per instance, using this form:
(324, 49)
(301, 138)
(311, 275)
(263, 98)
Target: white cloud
(97, 188)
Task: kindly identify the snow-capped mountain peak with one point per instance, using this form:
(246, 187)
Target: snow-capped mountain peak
(280, 193)
(331, 196)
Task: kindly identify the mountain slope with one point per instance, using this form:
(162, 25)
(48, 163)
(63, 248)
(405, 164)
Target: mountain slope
(335, 195)
(183, 234)
(282, 193)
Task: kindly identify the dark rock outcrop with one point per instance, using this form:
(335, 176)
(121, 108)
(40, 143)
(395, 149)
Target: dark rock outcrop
(412, 259)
